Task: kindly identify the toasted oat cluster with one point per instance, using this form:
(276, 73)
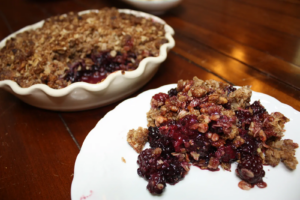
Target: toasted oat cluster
(71, 48)
(210, 124)
(137, 138)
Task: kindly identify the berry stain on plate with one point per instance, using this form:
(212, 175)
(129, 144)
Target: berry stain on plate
(83, 197)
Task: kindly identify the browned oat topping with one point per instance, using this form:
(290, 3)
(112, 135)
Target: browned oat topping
(282, 150)
(190, 90)
(97, 43)
(137, 138)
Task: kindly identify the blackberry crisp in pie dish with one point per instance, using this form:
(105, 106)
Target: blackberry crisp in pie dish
(84, 60)
(210, 125)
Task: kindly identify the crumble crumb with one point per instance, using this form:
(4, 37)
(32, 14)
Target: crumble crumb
(137, 138)
(240, 98)
(244, 185)
(283, 150)
(123, 160)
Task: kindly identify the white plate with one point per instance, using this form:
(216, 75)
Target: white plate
(101, 174)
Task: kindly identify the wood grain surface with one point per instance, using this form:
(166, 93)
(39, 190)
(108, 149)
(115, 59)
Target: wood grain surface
(242, 42)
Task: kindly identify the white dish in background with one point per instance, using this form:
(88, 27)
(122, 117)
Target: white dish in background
(100, 173)
(81, 95)
(156, 7)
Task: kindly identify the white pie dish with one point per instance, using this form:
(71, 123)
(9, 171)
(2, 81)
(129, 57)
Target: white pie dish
(81, 95)
(154, 6)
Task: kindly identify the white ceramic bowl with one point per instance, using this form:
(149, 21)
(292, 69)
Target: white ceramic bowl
(81, 95)
(156, 7)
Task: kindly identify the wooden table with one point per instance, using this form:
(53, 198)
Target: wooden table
(242, 42)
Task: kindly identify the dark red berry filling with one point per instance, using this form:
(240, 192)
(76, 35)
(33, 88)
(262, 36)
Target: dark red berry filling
(160, 97)
(250, 146)
(227, 154)
(103, 65)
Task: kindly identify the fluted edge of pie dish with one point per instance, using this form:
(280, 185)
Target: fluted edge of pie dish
(153, 62)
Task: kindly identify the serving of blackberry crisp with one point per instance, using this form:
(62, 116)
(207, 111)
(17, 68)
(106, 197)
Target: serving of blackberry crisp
(210, 124)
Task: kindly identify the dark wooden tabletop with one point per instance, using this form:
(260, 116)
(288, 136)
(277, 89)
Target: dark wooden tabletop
(242, 42)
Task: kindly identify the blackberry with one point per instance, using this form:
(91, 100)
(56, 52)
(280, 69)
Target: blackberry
(227, 105)
(172, 92)
(159, 170)
(249, 147)
(250, 169)
(244, 117)
(203, 146)
(112, 67)
(158, 140)
(153, 134)
(173, 171)
(257, 108)
(230, 89)
(147, 160)
(156, 183)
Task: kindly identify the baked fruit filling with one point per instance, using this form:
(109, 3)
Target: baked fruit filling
(210, 124)
(98, 66)
(72, 48)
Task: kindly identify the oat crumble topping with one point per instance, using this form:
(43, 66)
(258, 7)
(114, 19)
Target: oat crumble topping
(137, 138)
(71, 48)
